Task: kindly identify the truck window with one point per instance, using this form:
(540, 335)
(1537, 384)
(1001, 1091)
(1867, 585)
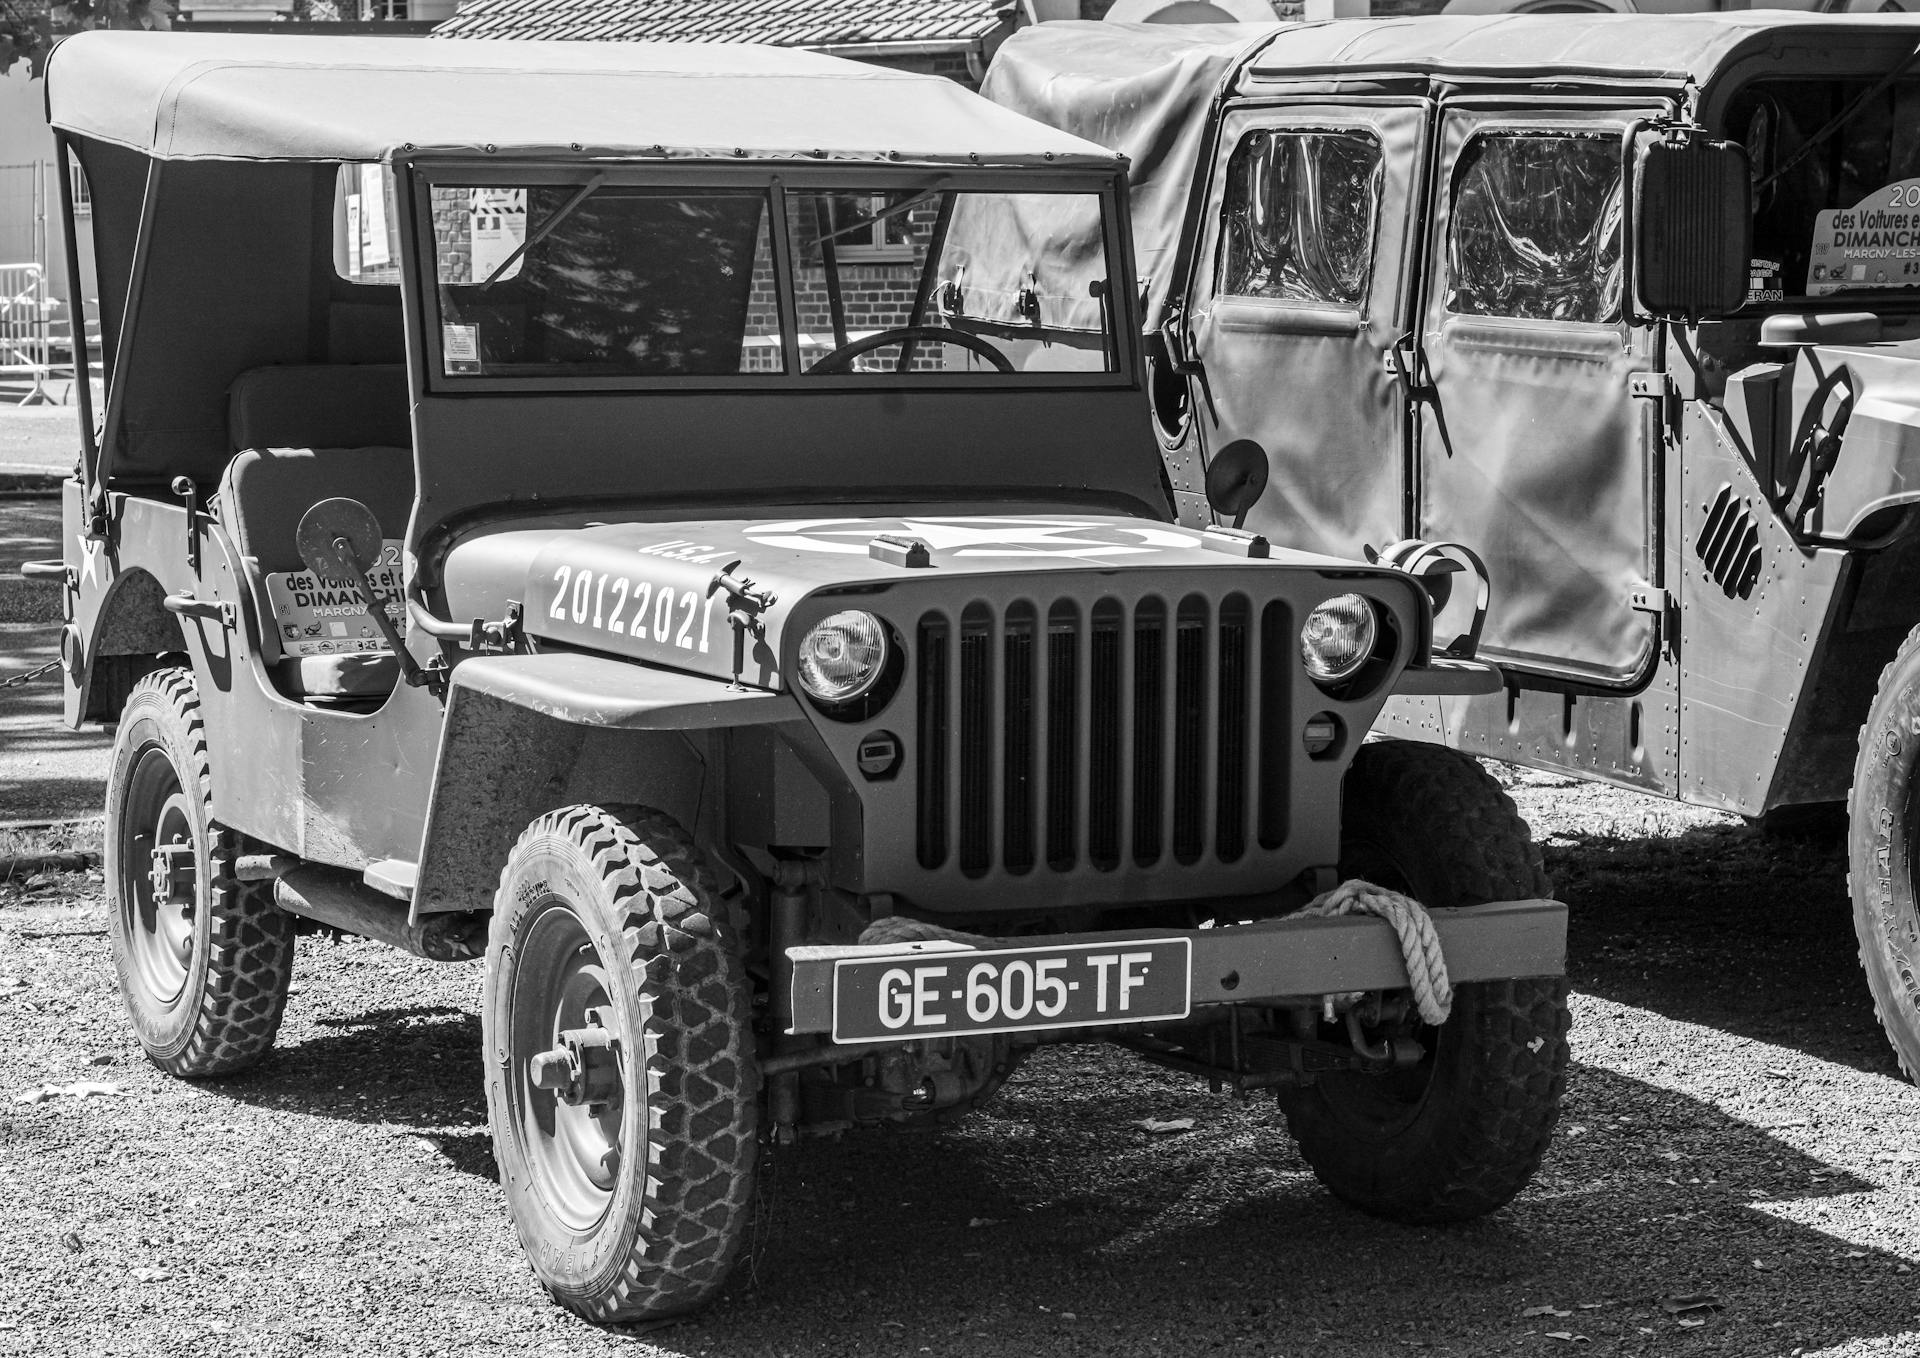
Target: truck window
(1878, 145)
(1535, 230)
(1299, 216)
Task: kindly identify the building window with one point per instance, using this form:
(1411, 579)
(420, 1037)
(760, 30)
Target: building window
(82, 191)
(863, 234)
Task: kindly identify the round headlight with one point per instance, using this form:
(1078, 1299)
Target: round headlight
(1338, 638)
(842, 655)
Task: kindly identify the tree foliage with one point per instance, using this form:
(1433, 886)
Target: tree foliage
(29, 28)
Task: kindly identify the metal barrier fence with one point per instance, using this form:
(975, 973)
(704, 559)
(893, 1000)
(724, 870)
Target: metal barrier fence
(37, 327)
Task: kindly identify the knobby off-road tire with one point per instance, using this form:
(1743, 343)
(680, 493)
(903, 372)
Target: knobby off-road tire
(632, 1208)
(1883, 822)
(203, 960)
(1460, 1134)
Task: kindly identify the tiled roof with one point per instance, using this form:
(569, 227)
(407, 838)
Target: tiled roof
(786, 23)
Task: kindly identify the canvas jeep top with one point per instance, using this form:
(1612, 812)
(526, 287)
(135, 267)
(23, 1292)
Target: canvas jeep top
(620, 513)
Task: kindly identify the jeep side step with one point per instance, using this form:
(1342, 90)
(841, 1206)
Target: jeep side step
(338, 899)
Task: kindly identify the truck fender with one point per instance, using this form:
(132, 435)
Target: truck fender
(524, 734)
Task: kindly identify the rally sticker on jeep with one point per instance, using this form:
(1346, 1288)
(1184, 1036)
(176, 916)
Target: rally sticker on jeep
(1873, 244)
(1024, 536)
(316, 615)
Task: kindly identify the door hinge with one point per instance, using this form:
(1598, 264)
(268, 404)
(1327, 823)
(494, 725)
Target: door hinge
(1651, 600)
(1654, 386)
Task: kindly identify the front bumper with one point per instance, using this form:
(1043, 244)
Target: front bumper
(1275, 961)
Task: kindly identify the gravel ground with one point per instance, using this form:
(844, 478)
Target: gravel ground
(1733, 1127)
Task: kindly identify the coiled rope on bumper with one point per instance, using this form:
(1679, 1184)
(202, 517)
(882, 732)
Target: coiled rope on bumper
(1419, 942)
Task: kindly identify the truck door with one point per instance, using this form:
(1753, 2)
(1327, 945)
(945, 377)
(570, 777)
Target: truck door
(1300, 294)
(1531, 448)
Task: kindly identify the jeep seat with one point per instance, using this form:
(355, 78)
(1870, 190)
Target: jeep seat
(306, 434)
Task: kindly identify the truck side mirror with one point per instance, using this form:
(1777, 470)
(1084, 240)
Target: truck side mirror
(1692, 227)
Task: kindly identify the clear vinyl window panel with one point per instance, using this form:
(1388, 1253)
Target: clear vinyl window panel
(1301, 215)
(1535, 229)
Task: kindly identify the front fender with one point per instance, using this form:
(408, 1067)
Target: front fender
(524, 734)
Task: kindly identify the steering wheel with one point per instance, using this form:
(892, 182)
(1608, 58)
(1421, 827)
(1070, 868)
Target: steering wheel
(842, 358)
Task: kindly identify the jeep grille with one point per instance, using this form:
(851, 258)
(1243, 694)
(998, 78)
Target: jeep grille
(1103, 736)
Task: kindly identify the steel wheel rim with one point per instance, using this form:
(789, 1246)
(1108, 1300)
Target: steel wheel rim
(159, 923)
(574, 1152)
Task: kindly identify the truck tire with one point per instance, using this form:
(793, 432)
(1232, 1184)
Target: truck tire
(630, 1186)
(203, 960)
(1458, 1135)
(1884, 817)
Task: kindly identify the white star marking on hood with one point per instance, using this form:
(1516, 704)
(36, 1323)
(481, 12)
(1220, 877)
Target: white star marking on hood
(978, 537)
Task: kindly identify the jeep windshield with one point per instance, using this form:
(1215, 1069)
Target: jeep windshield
(585, 280)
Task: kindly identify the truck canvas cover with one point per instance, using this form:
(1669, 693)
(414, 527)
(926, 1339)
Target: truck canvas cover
(1143, 89)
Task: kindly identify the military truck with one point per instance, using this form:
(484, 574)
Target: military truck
(543, 514)
(1626, 307)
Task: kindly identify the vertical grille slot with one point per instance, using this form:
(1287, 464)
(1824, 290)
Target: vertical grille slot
(977, 723)
(930, 748)
(1062, 735)
(1059, 735)
(1276, 645)
(1104, 735)
(1233, 739)
(1190, 721)
(1016, 779)
(1150, 732)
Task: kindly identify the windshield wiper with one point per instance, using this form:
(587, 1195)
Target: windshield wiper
(559, 215)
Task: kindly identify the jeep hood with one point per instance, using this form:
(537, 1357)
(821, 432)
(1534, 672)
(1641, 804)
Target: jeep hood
(648, 590)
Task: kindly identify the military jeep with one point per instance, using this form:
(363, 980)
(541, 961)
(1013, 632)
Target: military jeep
(1628, 307)
(589, 510)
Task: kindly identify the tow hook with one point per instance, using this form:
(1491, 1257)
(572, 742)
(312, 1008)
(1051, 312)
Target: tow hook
(1399, 1053)
(584, 1069)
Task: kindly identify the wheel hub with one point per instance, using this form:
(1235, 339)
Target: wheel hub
(583, 1071)
(170, 872)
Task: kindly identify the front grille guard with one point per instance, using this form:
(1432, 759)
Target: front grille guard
(1132, 734)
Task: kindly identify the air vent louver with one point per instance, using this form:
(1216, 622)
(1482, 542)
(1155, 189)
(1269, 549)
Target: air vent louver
(1729, 544)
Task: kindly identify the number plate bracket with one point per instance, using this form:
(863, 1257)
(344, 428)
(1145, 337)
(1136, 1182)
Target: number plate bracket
(1270, 962)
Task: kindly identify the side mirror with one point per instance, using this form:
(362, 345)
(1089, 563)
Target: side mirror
(1692, 227)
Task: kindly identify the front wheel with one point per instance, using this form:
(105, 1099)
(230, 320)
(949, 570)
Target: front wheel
(622, 1086)
(1883, 819)
(1460, 1133)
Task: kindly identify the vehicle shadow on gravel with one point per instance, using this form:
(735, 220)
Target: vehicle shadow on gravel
(1052, 1202)
(414, 1069)
(1726, 927)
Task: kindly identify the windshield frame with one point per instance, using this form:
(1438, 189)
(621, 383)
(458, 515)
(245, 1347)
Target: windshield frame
(422, 295)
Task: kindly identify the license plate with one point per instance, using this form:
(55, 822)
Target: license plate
(1009, 990)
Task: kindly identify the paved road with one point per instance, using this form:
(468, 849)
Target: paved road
(37, 439)
(46, 771)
